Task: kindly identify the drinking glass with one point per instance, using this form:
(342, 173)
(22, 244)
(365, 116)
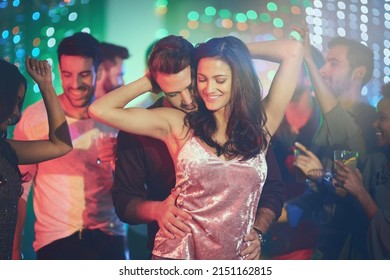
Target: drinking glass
(105, 145)
(349, 158)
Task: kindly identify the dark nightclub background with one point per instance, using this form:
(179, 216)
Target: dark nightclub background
(35, 27)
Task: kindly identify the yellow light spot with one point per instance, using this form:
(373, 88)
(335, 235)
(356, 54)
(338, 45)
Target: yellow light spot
(351, 162)
(192, 24)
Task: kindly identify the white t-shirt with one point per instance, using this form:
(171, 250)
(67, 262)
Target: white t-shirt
(71, 192)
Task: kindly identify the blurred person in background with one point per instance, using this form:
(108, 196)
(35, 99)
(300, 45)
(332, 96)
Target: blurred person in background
(112, 68)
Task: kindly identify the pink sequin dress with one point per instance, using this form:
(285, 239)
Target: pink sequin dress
(222, 197)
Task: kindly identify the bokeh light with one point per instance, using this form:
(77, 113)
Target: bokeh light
(241, 17)
(32, 28)
(242, 26)
(251, 20)
(72, 16)
(36, 16)
(224, 13)
(251, 14)
(193, 15)
(278, 22)
(272, 7)
(35, 52)
(38, 30)
(210, 11)
(227, 23)
(50, 31)
(36, 42)
(5, 34)
(193, 24)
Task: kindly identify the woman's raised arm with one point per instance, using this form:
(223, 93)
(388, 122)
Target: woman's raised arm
(110, 109)
(59, 142)
(289, 54)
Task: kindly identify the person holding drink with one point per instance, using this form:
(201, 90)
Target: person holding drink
(347, 124)
(371, 188)
(349, 158)
(341, 228)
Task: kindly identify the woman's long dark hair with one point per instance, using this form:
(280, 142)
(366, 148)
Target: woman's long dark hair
(10, 81)
(246, 131)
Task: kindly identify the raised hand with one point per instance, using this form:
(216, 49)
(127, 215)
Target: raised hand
(39, 70)
(305, 36)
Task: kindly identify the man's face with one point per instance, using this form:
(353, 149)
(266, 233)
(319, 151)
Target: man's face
(177, 89)
(337, 72)
(113, 77)
(382, 124)
(78, 77)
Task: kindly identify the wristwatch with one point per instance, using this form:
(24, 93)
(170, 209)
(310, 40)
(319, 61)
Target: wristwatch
(261, 235)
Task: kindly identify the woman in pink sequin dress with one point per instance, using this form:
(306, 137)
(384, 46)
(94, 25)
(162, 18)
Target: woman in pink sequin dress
(218, 150)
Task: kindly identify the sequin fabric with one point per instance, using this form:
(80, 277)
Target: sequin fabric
(10, 190)
(222, 197)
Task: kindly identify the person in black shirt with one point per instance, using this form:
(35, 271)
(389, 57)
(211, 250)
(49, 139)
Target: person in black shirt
(145, 175)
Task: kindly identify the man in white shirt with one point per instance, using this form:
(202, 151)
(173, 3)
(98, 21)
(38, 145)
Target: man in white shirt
(75, 217)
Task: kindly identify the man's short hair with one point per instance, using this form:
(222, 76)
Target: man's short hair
(170, 55)
(81, 44)
(111, 51)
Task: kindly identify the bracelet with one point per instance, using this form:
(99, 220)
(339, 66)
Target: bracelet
(261, 235)
(328, 176)
(318, 176)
